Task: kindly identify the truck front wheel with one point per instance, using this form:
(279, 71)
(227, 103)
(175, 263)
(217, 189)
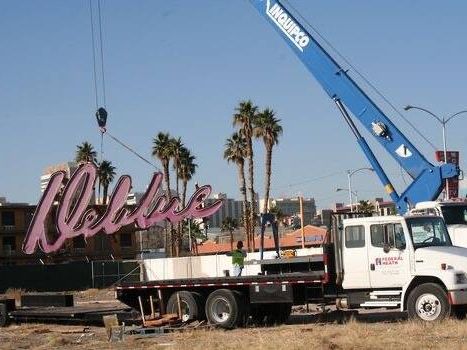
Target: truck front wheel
(428, 302)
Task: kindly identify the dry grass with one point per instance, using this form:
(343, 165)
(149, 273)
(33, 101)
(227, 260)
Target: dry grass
(450, 334)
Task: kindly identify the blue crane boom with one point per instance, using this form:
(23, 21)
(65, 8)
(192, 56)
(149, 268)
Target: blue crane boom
(428, 179)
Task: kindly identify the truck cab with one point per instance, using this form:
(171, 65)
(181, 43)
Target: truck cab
(406, 262)
(454, 214)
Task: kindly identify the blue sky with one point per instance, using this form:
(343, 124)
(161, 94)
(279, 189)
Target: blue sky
(182, 67)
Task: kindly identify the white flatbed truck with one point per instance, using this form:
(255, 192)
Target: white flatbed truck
(406, 263)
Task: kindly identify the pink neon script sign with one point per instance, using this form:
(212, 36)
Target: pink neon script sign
(74, 218)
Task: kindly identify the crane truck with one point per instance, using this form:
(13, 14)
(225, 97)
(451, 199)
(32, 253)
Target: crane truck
(404, 262)
(428, 180)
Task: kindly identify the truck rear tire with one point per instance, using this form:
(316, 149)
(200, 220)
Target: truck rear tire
(224, 308)
(428, 302)
(189, 303)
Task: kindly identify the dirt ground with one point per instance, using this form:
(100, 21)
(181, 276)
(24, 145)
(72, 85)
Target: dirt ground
(367, 330)
(303, 332)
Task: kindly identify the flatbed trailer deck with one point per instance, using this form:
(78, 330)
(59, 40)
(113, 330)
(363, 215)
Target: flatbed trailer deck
(281, 284)
(79, 314)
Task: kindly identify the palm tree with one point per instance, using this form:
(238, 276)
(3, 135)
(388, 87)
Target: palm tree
(178, 148)
(229, 225)
(278, 213)
(235, 151)
(245, 115)
(187, 170)
(267, 127)
(366, 207)
(106, 174)
(85, 153)
(162, 149)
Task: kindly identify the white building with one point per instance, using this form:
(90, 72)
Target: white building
(230, 208)
(68, 167)
(291, 207)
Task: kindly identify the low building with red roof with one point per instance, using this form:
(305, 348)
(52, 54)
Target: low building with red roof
(314, 236)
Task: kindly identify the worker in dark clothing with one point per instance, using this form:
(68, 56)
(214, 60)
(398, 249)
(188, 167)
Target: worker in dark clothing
(238, 258)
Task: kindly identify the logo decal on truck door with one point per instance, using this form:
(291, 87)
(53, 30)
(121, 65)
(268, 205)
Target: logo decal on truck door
(388, 260)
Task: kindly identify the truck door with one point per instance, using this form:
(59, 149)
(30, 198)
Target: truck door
(389, 258)
(355, 258)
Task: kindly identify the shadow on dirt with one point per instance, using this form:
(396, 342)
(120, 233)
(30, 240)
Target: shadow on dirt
(340, 316)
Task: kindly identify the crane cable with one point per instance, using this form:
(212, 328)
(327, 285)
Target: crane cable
(101, 111)
(101, 42)
(347, 61)
(94, 62)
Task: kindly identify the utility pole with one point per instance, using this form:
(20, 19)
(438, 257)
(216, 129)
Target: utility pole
(302, 221)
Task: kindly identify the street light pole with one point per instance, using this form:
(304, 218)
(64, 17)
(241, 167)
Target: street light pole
(445, 151)
(350, 190)
(354, 193)
(349, 179)
(443, 121)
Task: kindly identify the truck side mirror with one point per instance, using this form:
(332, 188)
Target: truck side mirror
(386, 248)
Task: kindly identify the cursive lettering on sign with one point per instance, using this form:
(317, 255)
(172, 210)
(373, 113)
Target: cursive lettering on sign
(74, 218)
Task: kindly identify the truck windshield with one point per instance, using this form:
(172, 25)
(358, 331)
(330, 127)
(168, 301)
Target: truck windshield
(455, 214)
(428, 232)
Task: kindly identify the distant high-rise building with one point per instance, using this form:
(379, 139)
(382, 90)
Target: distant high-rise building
(230, 208)
(133, 198)
(291, 207)
(68, 167)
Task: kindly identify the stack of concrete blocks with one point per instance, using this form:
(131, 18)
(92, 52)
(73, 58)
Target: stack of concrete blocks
(207, 265)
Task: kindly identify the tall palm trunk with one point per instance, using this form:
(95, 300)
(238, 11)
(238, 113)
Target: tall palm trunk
(169, 237)
(177, 177)
(178, 246)
(98, 201)
(246, 219)
(231, 240)
(252, 193)
(268, 177)
(104, 193)
(184, 186)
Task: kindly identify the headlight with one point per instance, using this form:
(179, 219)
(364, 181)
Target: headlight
(461, 278)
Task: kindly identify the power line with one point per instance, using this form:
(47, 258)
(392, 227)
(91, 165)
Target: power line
(310, 180)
